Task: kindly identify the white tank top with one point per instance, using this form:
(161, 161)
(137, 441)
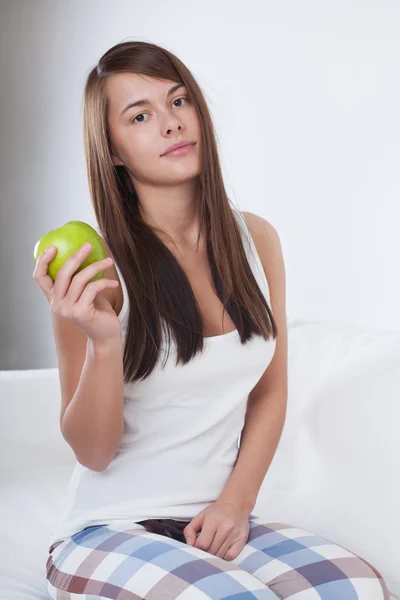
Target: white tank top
(182, 427)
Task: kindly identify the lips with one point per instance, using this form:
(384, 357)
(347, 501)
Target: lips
(177, 146)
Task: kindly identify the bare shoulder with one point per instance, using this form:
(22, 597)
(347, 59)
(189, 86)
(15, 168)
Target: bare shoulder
(269, 248)
(113, 295)
(266, 239)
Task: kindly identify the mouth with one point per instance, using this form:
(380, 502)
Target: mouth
(181, 150)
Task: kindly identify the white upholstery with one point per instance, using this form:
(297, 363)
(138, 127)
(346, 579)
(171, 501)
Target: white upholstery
(336, 471)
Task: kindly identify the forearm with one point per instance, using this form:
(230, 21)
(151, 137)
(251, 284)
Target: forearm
(93, 421)
(265, 418)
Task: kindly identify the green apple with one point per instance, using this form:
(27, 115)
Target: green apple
(67, 239)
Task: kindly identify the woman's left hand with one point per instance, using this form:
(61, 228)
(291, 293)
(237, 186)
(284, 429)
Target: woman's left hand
(224, 529)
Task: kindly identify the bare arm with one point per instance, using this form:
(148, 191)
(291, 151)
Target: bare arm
(88, 341)
(93, 420)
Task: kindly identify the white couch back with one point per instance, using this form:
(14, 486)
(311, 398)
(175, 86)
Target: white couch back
(336, 471)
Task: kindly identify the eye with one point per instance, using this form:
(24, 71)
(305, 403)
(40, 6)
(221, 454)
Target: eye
(144, 114)
(137, 116)
(178, 99)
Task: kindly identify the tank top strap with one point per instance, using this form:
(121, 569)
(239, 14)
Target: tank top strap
(125, 298)
(252, 254)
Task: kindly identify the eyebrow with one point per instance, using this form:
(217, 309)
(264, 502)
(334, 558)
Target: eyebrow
(141, 102)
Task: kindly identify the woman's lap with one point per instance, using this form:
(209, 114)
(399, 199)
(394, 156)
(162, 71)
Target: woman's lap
(278, 561)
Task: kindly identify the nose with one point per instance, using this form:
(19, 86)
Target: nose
(178, 128)
(172, 123)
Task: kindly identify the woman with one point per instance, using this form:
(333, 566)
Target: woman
(168, 360)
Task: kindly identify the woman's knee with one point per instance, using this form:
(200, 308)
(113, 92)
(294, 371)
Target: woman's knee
(291, 560)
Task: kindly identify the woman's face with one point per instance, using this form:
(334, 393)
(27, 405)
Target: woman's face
(141, 134)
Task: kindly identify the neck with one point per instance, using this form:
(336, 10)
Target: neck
(172, 211)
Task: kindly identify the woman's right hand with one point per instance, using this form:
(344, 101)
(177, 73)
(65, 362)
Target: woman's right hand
(74, 299)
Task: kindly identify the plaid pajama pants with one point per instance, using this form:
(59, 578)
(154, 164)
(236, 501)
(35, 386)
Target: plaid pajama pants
(151, 561)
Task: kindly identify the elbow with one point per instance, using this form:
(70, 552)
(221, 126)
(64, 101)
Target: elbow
(98, 462)
(94, 457)
(98, 468)
(97, 465)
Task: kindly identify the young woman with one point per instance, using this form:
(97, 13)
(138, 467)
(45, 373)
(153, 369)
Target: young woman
(169, 360)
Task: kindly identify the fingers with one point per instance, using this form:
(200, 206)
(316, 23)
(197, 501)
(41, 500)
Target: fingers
(92, 289)
(63, 288)
(221, 538)
(223, 550)
(206, 537)
(67, 271)
(80, 280)
(190, 533)
(40, 274)
(233, 552)
(193, 528)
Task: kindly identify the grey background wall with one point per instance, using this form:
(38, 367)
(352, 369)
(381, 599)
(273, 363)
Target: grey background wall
(305, 100)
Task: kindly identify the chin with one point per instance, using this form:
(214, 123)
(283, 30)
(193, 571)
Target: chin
(176, 176)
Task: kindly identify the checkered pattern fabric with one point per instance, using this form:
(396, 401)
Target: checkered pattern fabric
(151, 561)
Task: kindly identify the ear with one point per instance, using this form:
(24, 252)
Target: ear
(116, 160)
(114, 156)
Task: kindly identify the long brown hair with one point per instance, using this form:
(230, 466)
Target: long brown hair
(159, 291)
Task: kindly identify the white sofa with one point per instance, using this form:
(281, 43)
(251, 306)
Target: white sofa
(336, 471)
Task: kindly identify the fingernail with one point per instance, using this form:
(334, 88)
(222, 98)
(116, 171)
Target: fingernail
(188, 540)
(49, 249)
(86, 246)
